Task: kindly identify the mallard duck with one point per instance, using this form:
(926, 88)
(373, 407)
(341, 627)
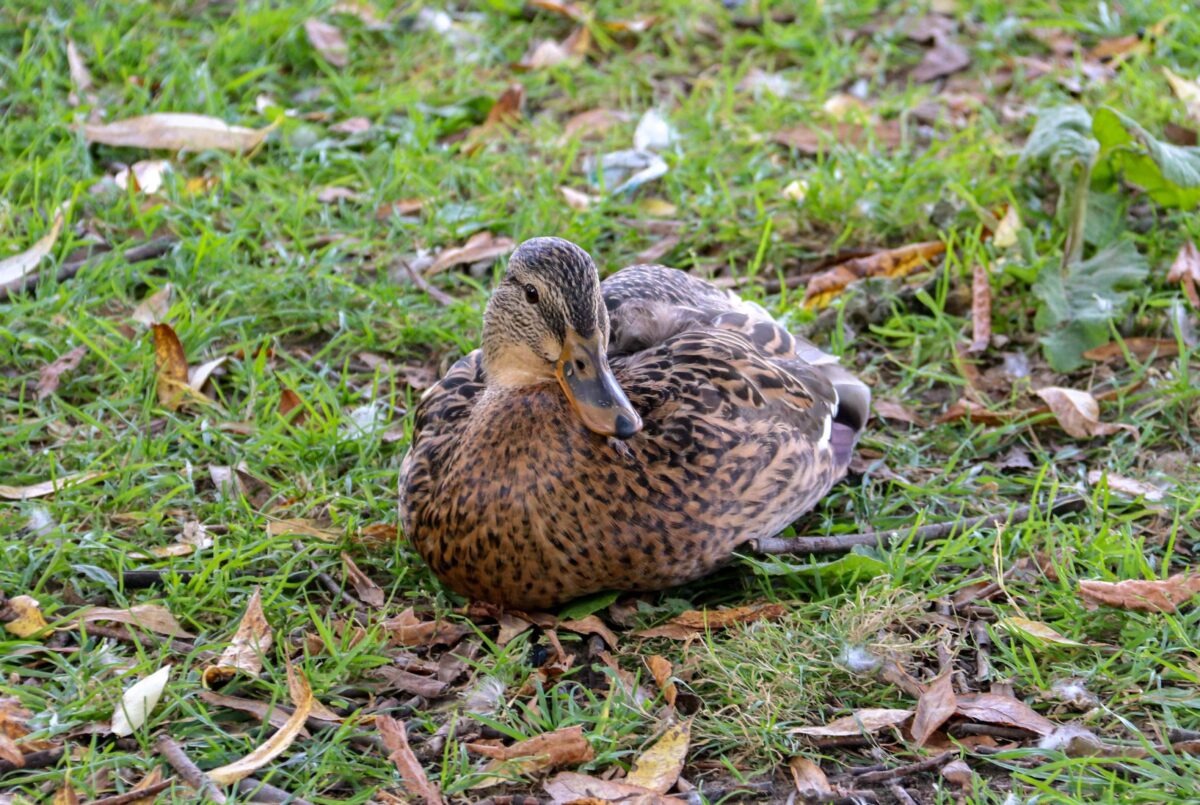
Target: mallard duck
(630, 434)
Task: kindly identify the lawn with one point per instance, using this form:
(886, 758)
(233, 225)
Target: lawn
(316, 270)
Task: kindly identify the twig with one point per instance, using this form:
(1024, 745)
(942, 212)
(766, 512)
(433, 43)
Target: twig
(994, 730)
(906, 770)
(135, 795)
(34, 760)
(192, 775)
(149, 250)
(258, 791)
(127, 635)
(436, 294)
(902, 796)
(142, 579)
(926, 533)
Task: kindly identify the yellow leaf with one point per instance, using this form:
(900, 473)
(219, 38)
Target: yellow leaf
(17, 266)
(828, 285)
(175, 132)
(171, 366)
(278, 743)
(659, 766)
(245, 652)
(29, 620)
(46, 487)
(1037, 629)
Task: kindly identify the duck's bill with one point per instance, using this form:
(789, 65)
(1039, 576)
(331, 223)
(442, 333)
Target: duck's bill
(590, 385)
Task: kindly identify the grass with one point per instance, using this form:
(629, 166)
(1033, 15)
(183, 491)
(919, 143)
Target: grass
(295, 291)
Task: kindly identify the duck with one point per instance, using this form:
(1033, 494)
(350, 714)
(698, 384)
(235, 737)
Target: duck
(630, 434)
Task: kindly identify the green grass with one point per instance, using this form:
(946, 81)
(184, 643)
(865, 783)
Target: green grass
(296, 290)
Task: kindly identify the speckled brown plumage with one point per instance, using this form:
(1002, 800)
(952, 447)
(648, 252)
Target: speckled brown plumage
(511, 499)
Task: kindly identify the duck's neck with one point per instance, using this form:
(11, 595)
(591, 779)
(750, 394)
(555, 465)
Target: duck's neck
(514, 365)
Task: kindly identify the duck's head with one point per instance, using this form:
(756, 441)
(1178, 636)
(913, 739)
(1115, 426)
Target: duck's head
(547, 320)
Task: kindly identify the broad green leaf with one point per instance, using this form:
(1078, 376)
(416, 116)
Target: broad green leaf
(1063, 139)
(589, 605)
(1170, 174)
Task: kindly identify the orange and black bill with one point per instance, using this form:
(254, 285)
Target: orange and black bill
(590, 385)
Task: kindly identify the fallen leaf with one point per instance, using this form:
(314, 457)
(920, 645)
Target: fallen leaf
(936, 704)
(946, 57)
(368, 591)
(363, 12)
(404, 206)
(796, 190)
(327, 40)
(660, 668)
(507, 108)
(890, 409)
(1126, 486)
(199, 375)
(862, 722)
(1078, 413)
(81, 78)
(992, 708)
(811, 783)
(1139, 347)
(46, 487)
(582, 789)
(153, 617)
(576, 200)
(958, 773)
(1005, 235)
(353, 125)
(658, 251)
(633, 25)
(571, 11)
(171, 367)
(660, 766)
(138, 702)
(1117, 48)
(12, 269)
(146, 783)
(398, 679)
(549, 53)
(65, 795)
(592, 123)
(977, 413)
(981, 308)
(245, 651)
(274, 715)
(813, 141)
(302, 701)
(146, 176)
(1037, 629)
(824, 287)
(1186, 90)
(693, 622)
(395, 738)
(153, 309)
(332, 195)
(511, 626)
(51, 374)
(481, 246)
(301, 527)
(173, 131)
(1185, 270)
(1158, 595)
(550, 750)
(406, 629)
(28, 620)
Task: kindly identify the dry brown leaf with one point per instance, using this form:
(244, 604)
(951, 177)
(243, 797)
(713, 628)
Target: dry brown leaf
(890, 409)
(958, 773)
(824, 287)
(175, 132)
(171, 367)
(352, 125)
(571, 11)
(274, 715)
(1037, 629)
(1185, 90)
(811, 783)
(1118, 48)
(481, 246)
(507, 108)
(936, 704)
(590, 624)
(511, 626)
(580, 789)
(154, 308)
(981, 308)
(1159, 595)
(1141, 348)
(153, 617)
(327, 40)
(992, 708)
(550, 750)
(403, 206)
(658, 251)
(592, 123)
(660, 668)
(406, 629)
(398, 679)
(813, 141)
(300, 526)
(81, 77)
(368, 591)
(1186, 271)
(946, 57)
(14, 268)
(65, 795)
(693, 622)
(332, 195)
(862, 722)
(27, 620)
(149, 781)
(659, 766)
(1126, 486)
(1078, 413)
(245, 651)
(978, 414)
(51, 374)
(277, 744)
(395, 738)
(44, 488)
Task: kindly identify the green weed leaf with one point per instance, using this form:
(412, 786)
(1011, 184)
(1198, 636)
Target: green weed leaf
(1170, 174)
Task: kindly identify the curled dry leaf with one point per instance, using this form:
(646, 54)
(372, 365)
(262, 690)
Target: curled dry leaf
(935, 706)
(1185, 270)
(138, 702)
(660, 766)
(1158, 595)
(507, 108)
(403, 206)
(992, 708)
(327, 40)
(199, 375)
(981, 308)
(691, 623)
(826, 286)
(946, 57)
(176, 132)
(1143, 349)
(51, 374)
(811, 783)
(890, 409)
(1038, 630)
(660, 668)
(658, 251)
(27, 620)
(1078, 413)
(571, 787)
(302, 701)
(301, 527)
(958, 773)
(274, 715)
(368, 591)
(154, 308)
(545, 752)
(171, 367)
(406, 629)
(245, 651)
(395, 738)
(12, 269)
(1126, 486)
(862, 722)
(511, 626)
(481, 246)
(45, 488)
(153, 617)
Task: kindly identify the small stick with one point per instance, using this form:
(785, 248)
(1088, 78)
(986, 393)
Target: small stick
(192, 775)
(436, 294)
(135, 795)
(994, 730)
(34, 760)
(258, 791)
(926, 533)
(149, 250)
(127, 635)
(906, 770)
(902, 796)
(142, 579)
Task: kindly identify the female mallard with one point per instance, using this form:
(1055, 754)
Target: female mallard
(629, 434)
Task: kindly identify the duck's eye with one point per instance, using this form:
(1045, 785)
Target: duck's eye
(531, 295)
